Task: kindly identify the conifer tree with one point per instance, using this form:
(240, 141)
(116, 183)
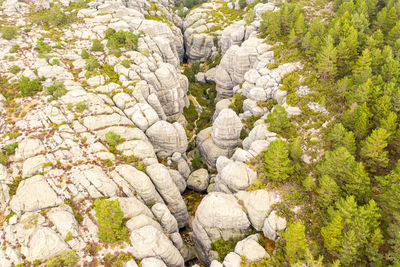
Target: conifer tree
(339, 136)
(278, 120)
(278, 166)
(358, 120)
(296, 243)
(327, 192)
(373, 150)
(332, 235)
(347, 172)
(326, 60)
(362, 69)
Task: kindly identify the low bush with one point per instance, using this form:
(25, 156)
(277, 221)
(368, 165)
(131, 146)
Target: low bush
(42, 47)
(56, 90)
(66, 259)
(53, 16)
(81, 106)
(223, 247)
(85, 54)
(110, 221)
(126, 63)
(91, 63)
(14, 69)
(113, 139)
(237, 103)
(117, 260)
(29, 87)
(8, 32)
(97, 46)
(10, 148)
(14, 49)
(3, 159)
(121, 39)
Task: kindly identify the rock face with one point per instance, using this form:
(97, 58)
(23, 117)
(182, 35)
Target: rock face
(44, 244)
(167, 138)
(221, 138)
(150, 242)
(64, 138)
(169, 192)
(34, 194)
(233, 176)
(198, 180)
(251, 249)
(236, 62)
(218, 216)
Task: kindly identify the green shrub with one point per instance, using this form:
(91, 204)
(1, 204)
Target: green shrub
(56, 90)
(68, 258)
(109, 73)
(8, 32)
(10, 148)
(55, 61)
(81, 106)
(14, 49)
(97, 46)
(85, 54)
(126, 63)
(14, 186)
(36, 262)
(3, 159)
(237, 103)
(278, 120)
(190, 113)
(29, 87)
(117, 260)
(256, 184)
(121, 39)
(91, 63)
(113, 139)
(242, 3)
(110, 220)
(197, 161)
(223, 247)
(42, 47)
(14, 69)
(189, 73)
(109, 32)
(141, 167)
(53, 16)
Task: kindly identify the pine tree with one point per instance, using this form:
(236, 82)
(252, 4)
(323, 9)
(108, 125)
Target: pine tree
(278, 166)
(346, 171)
(394, 33)
(300, 26)
(381, 20)
(361, 236)
(293, 40)
(295, 150)
(362, 69)
(389, 124)
(381, 108)
(391, 68)
(358, 120)
(296, 243)
(332, 235)
(390, 20)
(372, 150)
(326, 60)
(389, 197)
(339, 136)
(328, 191)
(278, 120)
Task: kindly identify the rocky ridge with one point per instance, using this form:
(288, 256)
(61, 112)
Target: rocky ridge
(65, 159)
